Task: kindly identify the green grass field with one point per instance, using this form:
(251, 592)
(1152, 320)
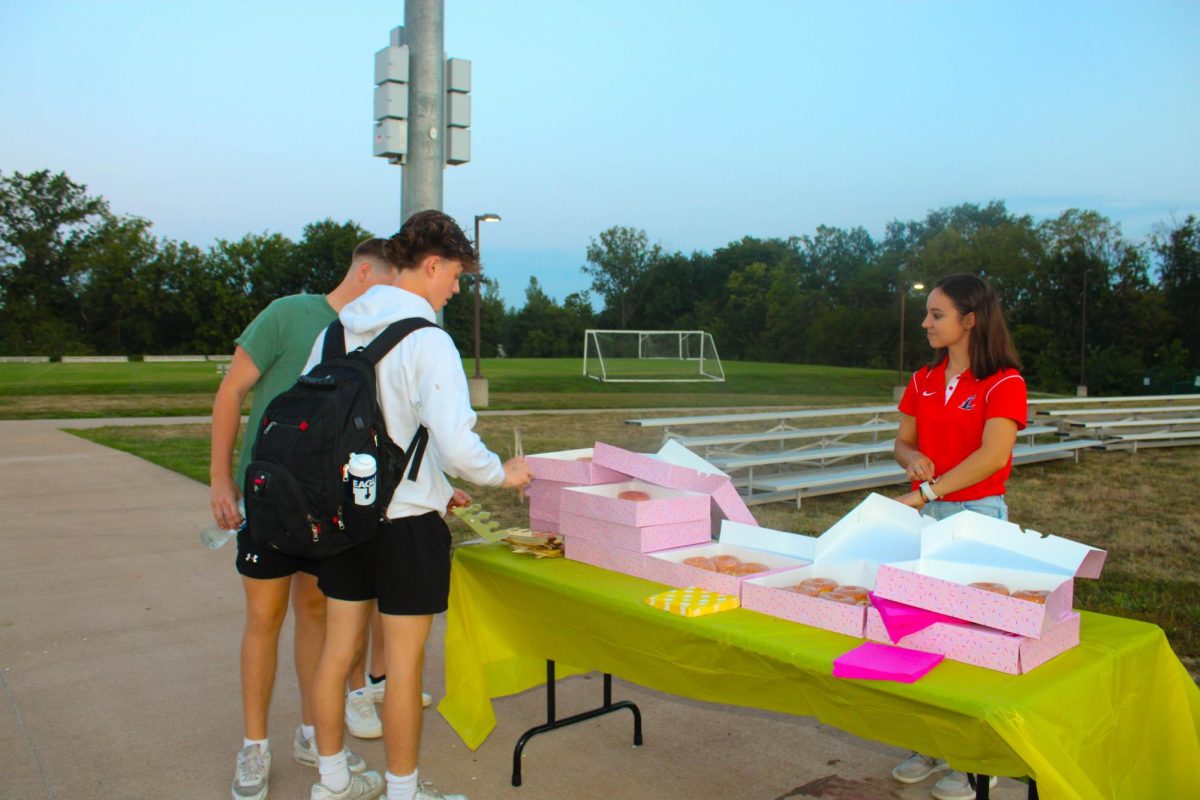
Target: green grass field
(29, 391)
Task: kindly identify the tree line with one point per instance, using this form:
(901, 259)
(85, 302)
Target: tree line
(1083, 301)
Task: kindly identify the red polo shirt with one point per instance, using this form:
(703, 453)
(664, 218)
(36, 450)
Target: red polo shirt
(949, 431)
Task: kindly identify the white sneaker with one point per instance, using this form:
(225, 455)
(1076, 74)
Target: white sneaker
(253, 771)
(361, 719)
(426, 792)
(366, 786)
(376, 690)
(956, 787)
(305, 752)
(917, 768)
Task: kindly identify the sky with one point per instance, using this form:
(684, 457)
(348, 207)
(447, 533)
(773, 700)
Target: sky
(699, 122)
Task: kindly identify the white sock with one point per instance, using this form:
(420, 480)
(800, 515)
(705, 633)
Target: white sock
(334, 772)
(402, 787)
(358, 692)
(265, 744)
(308, 731)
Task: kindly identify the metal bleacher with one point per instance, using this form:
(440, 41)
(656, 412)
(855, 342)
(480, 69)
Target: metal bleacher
(767, 466)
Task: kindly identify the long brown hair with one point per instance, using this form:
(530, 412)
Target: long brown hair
(991, 348)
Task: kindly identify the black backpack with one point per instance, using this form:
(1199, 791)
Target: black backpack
(297, 490)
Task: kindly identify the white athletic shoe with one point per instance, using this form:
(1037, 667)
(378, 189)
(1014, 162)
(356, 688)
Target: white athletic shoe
(956, 787)
(366, 786)
(305, 752)
(253, 772)
(917, 768)
(361, 719)
(376, 690)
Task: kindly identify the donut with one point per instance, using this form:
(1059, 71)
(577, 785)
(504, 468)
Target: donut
(726, 564)
(700, 562)
(634, 495)
(800, 588)
(859, 592)
(840, 596)
(818, 585)
(584, 458)
(1032, 595)
(998, 588)
(750, 568)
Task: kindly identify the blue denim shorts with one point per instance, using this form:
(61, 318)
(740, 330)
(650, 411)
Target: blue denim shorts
(990, 506)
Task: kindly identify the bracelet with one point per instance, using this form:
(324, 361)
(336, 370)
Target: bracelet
(928, 493)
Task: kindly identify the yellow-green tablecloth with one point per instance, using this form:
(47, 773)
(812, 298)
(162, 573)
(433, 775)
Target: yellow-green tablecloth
(1116, 717)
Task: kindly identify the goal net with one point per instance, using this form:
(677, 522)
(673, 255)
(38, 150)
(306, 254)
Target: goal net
(651, 357)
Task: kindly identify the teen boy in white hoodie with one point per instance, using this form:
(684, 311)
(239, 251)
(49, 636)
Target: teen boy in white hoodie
(406, 566)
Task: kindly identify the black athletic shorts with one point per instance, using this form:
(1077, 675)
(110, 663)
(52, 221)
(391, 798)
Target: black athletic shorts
(406, 567)
(263, 563)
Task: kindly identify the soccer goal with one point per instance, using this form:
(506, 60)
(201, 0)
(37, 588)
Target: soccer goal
(651, 357)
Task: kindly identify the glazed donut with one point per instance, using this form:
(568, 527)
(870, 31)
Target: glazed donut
(633, 494)
(859, 592)
(998, 588)
(726, 564)
(700, 562)
(818, 585)
(840, 596)
(1032, 595)
(750, 568)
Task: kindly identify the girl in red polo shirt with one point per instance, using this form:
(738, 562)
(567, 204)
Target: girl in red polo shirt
(959, 419)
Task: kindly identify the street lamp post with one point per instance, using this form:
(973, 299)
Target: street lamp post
(904, 289)
(478, 384)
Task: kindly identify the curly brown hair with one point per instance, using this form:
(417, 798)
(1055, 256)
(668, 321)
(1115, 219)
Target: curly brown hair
(431, 233)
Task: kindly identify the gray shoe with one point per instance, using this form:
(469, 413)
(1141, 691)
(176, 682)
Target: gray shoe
(426, 792)
(956, 787)
(253, 771)
(305, 752)
(366, 786)
(917, 768)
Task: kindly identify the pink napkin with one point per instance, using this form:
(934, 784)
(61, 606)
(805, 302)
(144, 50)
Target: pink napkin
(884, 662)
(900, 620)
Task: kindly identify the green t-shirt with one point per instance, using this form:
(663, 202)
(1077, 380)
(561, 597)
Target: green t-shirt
(279, 341)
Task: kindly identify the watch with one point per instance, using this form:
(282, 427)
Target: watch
(928, 493)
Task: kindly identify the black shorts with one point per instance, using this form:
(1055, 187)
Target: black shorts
(261, 562)
(406, 567)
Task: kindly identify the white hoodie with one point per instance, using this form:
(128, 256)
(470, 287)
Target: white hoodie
(421, 382)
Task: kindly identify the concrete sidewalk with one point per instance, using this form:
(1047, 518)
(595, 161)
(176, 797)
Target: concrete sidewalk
(119, 639)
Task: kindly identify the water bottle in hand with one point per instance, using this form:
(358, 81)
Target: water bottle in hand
(214, 536)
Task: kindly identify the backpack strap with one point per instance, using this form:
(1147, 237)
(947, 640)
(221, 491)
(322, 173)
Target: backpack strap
(392, 335)
(379, 347)
(416, 451)
(335, 341)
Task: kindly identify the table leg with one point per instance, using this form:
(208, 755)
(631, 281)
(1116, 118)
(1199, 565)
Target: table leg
(553, 723)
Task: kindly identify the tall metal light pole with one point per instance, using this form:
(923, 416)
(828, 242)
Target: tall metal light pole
(479, 279)
(904, 289)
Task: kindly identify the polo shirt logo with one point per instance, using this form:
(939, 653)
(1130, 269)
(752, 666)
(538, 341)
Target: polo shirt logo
(968, 404)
